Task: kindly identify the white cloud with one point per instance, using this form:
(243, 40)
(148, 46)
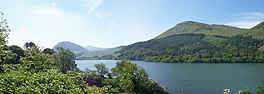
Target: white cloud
(247, 20)
(92, 4)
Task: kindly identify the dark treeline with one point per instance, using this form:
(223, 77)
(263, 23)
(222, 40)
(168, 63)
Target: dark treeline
(196, 48)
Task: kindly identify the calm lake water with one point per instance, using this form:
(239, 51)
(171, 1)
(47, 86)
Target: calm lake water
(196, 78)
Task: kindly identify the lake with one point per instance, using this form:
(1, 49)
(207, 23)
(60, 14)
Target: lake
(196, 78)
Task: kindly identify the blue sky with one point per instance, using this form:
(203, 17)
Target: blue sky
(111, 23)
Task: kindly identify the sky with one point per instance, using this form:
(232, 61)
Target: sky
(112, 23)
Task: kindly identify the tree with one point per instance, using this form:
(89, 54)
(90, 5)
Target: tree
(17, 52)
(4, 31)
(10, 58)
(29, 45)
(48, 51)
(36, 61)
(65, 60)
(101, 69)
(134, 79)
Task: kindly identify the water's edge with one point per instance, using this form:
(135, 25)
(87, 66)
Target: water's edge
(197, 77)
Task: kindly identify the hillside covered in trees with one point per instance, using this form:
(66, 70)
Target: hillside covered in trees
(193, 42)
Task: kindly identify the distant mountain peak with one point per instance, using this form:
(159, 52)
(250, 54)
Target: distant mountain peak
(65, 42)
(71, 46)
(190, 22)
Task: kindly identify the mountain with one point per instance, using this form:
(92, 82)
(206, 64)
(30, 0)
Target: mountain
(89, 52)
(92, 48)
(194, 42)
(77, 49)
(202, 28)
(105, 53)
(258, 32)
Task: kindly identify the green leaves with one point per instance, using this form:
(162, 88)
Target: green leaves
(195, 48)
(65, 60)
(131, 78)
(36, 61)
(260, 90)
(101, 69)
(42, 82)
(4, 31)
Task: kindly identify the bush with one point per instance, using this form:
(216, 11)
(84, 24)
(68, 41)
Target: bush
(43, 82)
(260, 90)
(131, 78)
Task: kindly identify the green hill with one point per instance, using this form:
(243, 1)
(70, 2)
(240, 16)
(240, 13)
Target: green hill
(201, 28)
(259, 27)
(191, 42)
(257, 31)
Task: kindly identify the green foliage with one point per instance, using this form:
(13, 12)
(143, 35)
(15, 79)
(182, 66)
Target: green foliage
(65, 60)
(29, 45)
(260, 90)
(36, 61)
(10, 67)
(16, 50)
(101, 90)
(166, 46)
(193, 42)
(101, 69)
(49, 82)
(134, 79)
(196, 48)
(9, 58)
(13, 54)
(48, 51)
(4, 31)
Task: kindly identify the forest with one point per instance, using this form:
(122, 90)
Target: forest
(196, 48)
